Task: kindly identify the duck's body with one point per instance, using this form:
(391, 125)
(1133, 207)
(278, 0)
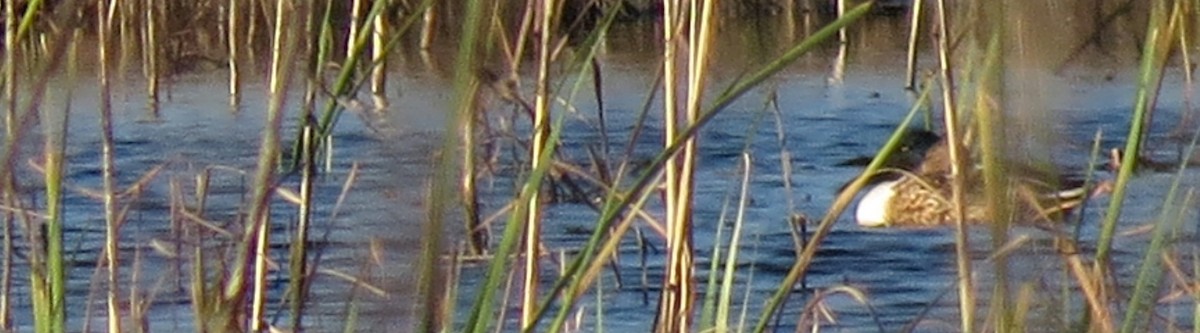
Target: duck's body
(923, 198)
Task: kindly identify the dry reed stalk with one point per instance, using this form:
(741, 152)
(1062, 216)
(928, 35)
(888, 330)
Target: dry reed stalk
(428, 26)
(355, 19)
(677, 287)
(10, 116)
(914, 32)
(233, 44)
(838, 75)
(541, 132)
(10, 75)
(126, 14)
(257, 223)
(966, 289)
(477, 233)
(476, 229)
(380, 33)
(108, 170)
(151, 52)
(677, 300)
(299, 269)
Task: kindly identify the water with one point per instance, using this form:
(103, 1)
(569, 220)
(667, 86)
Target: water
(902, 272)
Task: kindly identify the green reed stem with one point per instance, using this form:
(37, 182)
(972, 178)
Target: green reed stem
(1169, 220)
(46, 258)
(991, 123)
(480, 315)
(708, 309)
(257, 221)
(298, 267)
(723, 305)
(465, 88)
(1154, 57)
(1146, 288)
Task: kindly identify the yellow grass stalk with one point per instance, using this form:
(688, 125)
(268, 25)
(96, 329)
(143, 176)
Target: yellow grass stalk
(541, 132)
(380, 33)
(966, 290)
(677, 301)
(150, 52)
(257, 223)
(233, 44)
(112, 221)
(672, 286)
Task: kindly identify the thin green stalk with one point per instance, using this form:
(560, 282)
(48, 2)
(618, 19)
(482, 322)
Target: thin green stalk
(298, 267)
(990, 122)
(606, 250)
(47, 276)
(1154, 57)
(708, 309)
(1170, 218)
(600, 305)
(258, 220)
(734, 245)
(442, 190)
(251, 249)
(480, 315)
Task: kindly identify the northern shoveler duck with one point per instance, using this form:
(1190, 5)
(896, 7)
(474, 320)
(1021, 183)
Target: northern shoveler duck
(922, 197)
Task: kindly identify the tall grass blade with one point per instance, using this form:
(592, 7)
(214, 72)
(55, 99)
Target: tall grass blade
(252, 248)
(991, 124)
(1170, 219)
(1153, 58)
(480, 316)
(723, 305)
(709, 309)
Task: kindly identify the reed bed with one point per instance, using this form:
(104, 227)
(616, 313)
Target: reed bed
(344, 50)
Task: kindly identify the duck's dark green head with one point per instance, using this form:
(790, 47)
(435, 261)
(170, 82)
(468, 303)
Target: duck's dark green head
(908, 156)
(913, 146)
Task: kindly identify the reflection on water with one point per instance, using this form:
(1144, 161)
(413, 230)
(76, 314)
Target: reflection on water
(902, 272)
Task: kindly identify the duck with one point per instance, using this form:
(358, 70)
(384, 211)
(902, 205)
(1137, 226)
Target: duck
(921, 196)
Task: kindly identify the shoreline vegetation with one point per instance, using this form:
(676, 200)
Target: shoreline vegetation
(524, 64)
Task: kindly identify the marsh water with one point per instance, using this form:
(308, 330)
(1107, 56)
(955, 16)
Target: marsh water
(908, 276)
